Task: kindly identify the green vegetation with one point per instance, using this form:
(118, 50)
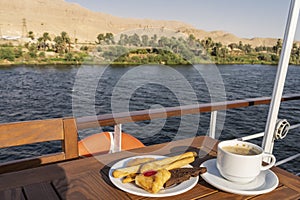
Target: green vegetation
(42, 51)
(135, 49)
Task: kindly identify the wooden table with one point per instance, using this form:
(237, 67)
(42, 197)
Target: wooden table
(88, 178)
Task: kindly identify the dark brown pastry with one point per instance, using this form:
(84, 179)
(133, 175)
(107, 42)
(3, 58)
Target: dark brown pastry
(182, 174)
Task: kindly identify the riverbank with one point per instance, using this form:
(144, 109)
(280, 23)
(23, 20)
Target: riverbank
(78, 63)
(120, 64)
(129, 63)
(129, 57)
(138, 50)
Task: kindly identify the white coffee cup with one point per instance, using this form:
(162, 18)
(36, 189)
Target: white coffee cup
(234, 163)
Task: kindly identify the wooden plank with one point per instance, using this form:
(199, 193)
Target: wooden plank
(12, 194)
(225, 195)
(280, 193)
(40, 191)
(31, 176)
(21, 133)
(90, 185)
(288, 179)
(30, 162)
(200, 190)
(70, 142)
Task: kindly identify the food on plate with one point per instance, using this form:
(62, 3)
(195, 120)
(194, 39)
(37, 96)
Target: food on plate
(120, 173)
(154, 182)
(183, 174)
(129, 178)
(166, 163)
(173, 165)
(179, 163)
(170, 162)
(155, 174)
(138, 161)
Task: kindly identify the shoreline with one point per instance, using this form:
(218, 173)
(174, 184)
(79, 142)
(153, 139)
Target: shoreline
(75, 63)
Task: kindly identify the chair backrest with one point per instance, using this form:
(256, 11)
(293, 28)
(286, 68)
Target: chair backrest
(22, 133)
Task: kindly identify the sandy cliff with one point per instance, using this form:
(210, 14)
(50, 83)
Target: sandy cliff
(54, 16)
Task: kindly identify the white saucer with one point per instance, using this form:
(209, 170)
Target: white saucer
(265, 182)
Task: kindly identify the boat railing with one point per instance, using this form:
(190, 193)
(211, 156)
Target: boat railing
(117, 119)
(66, 129)
(39, 131)
(163, 113)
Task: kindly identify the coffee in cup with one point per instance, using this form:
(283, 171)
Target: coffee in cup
(241, 150)
(240, 161)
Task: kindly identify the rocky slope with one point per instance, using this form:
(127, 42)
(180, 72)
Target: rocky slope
(17, 17)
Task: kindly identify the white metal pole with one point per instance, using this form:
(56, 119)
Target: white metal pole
(213, 124)
(118, 138)
(281, 75)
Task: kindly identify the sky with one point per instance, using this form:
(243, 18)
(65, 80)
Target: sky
(244, 18)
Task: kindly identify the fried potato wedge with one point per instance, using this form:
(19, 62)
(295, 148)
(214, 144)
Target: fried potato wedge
(155, 183)
(156, 165)
(138, 161)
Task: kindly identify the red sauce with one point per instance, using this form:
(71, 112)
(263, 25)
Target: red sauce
(149, 173)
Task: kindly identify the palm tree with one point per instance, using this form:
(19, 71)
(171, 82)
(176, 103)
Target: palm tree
(191, 40)
(109, 38)
(224, 52)
(68, 41)
(45, 38)
(145, 40)
(64, 35)
(241, 46)
(31, 35)
(61, 42)
(123, 39)
(59, 46)
(134, 40)
(278, 46)
(100, 38)
(208, 43)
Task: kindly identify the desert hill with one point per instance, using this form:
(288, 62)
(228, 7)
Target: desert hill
(54, 16)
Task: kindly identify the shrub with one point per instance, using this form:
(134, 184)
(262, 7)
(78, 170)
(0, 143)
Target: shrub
(84, 48)
(18, 52)
(7, 53)
(69, 56)
(42, 55)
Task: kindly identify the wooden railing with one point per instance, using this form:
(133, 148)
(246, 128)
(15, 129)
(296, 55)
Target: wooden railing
(143, 115)
(30, 132)
(64, 129)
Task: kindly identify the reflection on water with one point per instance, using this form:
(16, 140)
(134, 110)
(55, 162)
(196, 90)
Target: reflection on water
(29, 93)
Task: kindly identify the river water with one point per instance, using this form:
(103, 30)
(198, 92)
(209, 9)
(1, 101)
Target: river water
(31, 92)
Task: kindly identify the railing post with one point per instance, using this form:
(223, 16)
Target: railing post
(213, 124)
(117, 138)
(290, 30)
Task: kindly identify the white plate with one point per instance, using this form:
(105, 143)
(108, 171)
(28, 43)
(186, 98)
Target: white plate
(265, 182)
(134, 189)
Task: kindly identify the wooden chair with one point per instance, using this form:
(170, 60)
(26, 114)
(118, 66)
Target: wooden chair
(22, 133)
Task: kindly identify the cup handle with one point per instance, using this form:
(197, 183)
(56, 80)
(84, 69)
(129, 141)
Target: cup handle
(273, 160)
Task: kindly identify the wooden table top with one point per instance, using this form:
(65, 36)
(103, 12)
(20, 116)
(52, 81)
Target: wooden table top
(88, 178)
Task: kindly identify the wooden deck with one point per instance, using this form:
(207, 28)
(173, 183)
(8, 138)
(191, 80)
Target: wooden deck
(88, 178)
